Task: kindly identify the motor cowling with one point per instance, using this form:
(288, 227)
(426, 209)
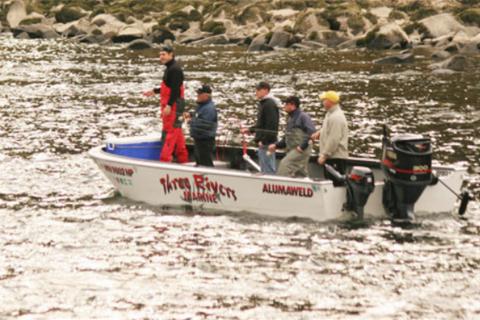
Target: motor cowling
(360, 184)
(407, 164)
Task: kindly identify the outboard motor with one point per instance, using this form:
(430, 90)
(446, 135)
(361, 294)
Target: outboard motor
(407, 164)
(360, 184)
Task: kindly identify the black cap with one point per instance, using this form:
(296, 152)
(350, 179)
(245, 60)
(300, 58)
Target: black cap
(263, 85)
(293, 100)
(205, 88)
(167, 48)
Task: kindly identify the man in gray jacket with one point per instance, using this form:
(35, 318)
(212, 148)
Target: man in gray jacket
(296, 141)
(333, 135)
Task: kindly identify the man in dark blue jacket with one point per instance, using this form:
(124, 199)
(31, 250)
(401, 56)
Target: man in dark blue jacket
(203, 126)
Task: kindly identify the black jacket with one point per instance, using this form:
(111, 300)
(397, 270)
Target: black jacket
(266, 128)
(173, 78)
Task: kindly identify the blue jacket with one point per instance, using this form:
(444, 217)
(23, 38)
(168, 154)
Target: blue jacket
(204, 121)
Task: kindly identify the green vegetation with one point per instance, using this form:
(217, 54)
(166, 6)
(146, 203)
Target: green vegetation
(68, 14)
(396, 15)
(214, 27)
(356, 23)
(471, 16)
(417, 10)
(27, 22)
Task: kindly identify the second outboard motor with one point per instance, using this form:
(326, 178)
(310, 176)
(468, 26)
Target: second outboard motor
(407, 164)
(360, 184)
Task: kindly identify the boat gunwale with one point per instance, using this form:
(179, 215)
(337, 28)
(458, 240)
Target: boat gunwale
(99, 153)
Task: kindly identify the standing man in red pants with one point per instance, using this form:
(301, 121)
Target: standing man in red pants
(172, 104)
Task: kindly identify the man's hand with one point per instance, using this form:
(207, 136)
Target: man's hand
(272, 147)
(148, 93)
(299, 149)
(315, 135)
(321, 159)
(167, 110)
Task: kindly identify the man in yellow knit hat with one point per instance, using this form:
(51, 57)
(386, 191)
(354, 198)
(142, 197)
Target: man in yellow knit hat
(333, 135)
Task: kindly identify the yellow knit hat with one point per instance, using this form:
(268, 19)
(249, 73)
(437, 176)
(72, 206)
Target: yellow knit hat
(330, 95)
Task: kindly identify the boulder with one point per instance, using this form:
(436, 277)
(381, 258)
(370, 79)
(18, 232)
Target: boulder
(75, 28)
(16, 13)
(455, 63)
(440, 25)
(259, 43)
(139, 44)
(220, 39)
(22, 36)
(130, 33)
(386, 37)
(333, 38)
(108, 24)
(282, 14)
(160, 34)
(381, 12)
(441, 55)
(396, 59)
(69, 14)
(461, 38)
(36, 31)
(311, 24)
(313, 44)
(473, 46)
(442, 40)
(280, 39)
(93, 39)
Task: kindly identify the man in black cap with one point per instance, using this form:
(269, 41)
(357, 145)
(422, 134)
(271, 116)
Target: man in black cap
(203, 126)
(172, 104)
(296, 140)
(266, 127)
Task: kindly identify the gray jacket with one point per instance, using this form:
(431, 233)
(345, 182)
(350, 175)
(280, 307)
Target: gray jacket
(334, 134)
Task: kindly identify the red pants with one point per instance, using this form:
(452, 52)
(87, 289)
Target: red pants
(173, 140)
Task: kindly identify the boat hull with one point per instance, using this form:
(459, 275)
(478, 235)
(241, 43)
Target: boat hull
(222, 189)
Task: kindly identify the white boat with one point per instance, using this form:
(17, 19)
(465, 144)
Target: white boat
(132, 167)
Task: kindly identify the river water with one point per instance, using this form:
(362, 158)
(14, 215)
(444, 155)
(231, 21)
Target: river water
(71, 248)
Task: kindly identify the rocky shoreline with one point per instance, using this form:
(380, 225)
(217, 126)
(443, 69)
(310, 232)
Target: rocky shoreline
(449, 29)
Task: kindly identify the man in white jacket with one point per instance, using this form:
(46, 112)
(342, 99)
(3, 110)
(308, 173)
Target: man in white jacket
(333, 135)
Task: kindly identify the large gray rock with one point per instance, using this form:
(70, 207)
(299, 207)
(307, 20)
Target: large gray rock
(311, 24)
(313, 44)
(16, 13)
(440, 25)
(455, 63)
(218, 40)
(93, 39)
(396, 59)
(441, 55)
(159, 35)
(108, 24)
(333, 38)
(259, 43)
(139, 44)
(388, 36)
(280, 39)
(36, 31)
(130, 33)
(75, 28)
(473, 46)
